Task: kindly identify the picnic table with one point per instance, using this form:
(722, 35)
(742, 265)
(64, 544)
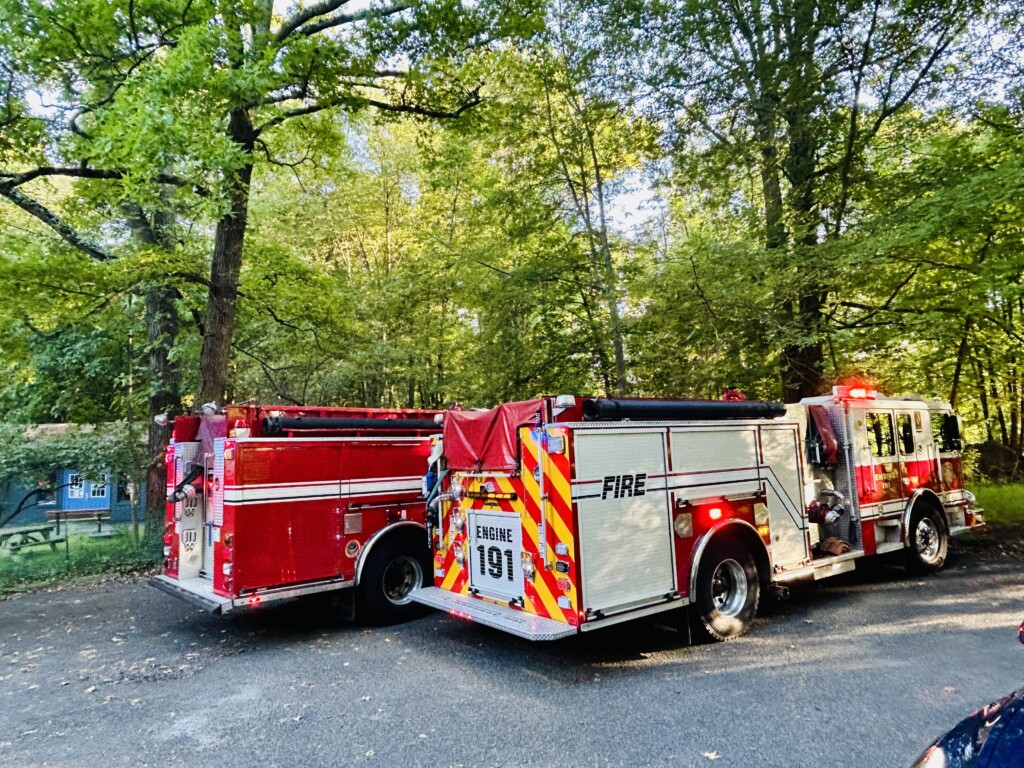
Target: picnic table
(21, 536)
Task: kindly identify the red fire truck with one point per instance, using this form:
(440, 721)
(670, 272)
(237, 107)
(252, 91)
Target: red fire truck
(562, 515)
(270, 502)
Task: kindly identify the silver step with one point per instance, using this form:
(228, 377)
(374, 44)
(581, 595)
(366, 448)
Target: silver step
(198, 592)
(501, 617)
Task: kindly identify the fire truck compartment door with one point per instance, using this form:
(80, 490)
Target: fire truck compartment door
(625, 526)
(188, 514)
(785, 493)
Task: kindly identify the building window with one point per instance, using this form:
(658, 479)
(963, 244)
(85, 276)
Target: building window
(98, 490)
(76, 487)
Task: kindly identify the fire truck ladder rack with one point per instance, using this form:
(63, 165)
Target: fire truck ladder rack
(524, 625)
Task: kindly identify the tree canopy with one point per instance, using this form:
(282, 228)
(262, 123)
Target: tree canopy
(432, 201)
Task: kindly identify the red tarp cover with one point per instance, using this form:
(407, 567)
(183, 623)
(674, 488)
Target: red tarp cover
(486, 440)
(829, 444)
(213, 426)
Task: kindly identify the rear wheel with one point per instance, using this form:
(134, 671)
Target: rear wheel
(727, 590)
(927, 541)
(396, 567)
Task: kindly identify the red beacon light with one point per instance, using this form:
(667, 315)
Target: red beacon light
(847, 392)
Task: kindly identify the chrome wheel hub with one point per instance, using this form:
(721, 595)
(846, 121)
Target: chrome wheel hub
(928, 540)
(401, 577)
(729, 588)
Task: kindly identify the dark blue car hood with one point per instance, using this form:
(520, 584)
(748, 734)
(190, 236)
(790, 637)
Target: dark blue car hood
(992, 737)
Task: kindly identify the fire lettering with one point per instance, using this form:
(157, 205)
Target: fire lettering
(620, 486)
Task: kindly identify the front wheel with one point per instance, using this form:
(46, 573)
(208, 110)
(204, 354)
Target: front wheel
(727, 590)
(927, 541)
(396, 567)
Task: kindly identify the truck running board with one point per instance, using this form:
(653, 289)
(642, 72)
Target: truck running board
(497, 616)
(198, 592)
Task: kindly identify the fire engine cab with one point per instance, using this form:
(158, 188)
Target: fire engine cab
(272, 502)
(561, 515)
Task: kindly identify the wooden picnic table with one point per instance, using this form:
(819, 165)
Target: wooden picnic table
(21, 536)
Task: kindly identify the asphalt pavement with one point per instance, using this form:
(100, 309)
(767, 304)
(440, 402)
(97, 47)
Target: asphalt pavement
(861, 670)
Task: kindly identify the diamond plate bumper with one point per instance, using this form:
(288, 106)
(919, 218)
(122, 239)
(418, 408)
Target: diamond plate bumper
(498, 616)
(198, 592)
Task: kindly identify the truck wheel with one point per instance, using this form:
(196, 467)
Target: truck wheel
(927, 541)
(396, 567)
(727, 590)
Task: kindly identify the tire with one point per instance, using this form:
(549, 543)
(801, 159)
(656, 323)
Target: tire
(396, 566)
(727, 590)
(927, 541)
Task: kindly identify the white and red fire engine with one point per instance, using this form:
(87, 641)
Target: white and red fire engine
(562, 515)
(271, 502)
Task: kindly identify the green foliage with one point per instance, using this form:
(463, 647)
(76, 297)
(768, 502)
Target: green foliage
(1003, 503)
(80, 556)
(393, 260)
(31, 456)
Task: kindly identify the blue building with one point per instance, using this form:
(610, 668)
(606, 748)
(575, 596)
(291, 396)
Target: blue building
(73, 498)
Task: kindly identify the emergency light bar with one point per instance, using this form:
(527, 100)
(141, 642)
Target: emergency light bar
(853, 393)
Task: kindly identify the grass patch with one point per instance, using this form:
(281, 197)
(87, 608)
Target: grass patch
(82, 555)
(1002, 502)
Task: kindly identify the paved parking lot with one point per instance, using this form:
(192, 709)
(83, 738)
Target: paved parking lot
(862, 670)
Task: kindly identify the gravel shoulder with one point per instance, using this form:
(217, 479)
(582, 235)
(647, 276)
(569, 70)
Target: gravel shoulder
(863, 669)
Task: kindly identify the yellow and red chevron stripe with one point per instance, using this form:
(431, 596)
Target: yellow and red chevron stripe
(556, 506)
(456, 577)
(523, 498)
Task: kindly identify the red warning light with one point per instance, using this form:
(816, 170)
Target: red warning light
(715, 513)
(855, 390)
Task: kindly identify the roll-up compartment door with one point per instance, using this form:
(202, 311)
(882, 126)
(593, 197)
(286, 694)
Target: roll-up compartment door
(188, 514)
(625, 529)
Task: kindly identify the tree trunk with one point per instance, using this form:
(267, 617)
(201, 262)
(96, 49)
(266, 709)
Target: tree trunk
(162, 326)
(611, 277)
(961, 355)
(165, 379)
(804, 360)
(219, 327)
(983, 396)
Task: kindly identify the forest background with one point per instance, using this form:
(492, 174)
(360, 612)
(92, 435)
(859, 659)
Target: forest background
(422, 202)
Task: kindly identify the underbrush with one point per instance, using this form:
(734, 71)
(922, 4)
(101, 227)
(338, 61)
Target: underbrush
(1002, 502)
(80, 555)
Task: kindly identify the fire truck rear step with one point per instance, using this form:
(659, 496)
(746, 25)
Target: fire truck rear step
(198, 592)
(519, 623)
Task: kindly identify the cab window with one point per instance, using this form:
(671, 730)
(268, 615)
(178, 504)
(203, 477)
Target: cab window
(880, 434)
(946, 431)
(905, 430)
